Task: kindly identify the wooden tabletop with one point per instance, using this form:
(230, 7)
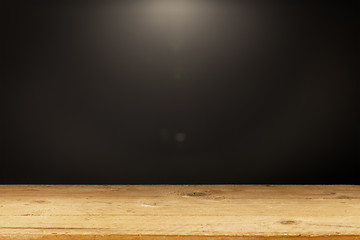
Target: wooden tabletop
(179, 212)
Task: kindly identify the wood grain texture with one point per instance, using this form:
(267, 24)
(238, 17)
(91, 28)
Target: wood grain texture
(179, 212)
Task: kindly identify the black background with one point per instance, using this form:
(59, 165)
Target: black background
(172, 92)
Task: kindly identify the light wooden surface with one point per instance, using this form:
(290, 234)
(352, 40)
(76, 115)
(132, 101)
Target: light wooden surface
(219, 212)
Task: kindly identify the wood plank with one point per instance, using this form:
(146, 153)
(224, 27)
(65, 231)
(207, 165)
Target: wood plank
(189, 212)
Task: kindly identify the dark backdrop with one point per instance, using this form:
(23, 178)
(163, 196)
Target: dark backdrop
(179, 91)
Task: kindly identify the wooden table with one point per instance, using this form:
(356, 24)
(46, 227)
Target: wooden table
(179, 212)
